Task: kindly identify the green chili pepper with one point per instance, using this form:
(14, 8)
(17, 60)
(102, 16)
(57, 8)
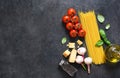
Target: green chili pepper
(99, 43)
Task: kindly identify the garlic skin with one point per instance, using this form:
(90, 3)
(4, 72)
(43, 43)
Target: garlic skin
(81, 50)
(88, 60)
(79, 59)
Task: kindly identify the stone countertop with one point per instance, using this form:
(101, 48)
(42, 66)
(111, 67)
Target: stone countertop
(31, 33)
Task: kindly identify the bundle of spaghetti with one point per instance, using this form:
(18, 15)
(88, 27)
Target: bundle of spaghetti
(89, 24)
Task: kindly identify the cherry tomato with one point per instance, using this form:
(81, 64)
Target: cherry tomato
(69, 26)
(66, 19)
(82, 33)
(78, 26)
(75, 19)
(73, 33)
(71, 12)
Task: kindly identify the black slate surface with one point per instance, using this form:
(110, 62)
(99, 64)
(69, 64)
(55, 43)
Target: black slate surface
(31, 32)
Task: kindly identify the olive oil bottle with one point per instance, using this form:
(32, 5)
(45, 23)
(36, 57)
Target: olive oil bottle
(112, 53)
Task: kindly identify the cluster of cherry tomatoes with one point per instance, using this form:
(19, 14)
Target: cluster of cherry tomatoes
(73, 24)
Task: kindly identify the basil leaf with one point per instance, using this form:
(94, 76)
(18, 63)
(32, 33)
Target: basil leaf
(107, 41)
(102, 33)
(100, 18)
(64, 39)
(99, 43)
(107, 26)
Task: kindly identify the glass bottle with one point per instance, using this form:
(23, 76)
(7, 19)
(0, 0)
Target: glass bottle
(112, 53)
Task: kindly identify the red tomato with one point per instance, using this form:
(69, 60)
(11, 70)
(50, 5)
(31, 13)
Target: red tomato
(66, 19)
(82, 33)
(75, 19)
(71, 12)
(69, 26)
(78, 26)
(73, 33)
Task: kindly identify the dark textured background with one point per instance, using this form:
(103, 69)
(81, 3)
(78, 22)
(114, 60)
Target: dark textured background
(31, 32)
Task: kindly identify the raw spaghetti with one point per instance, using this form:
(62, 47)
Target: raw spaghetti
(89, 23)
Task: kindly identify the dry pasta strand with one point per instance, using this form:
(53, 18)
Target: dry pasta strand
(89, 23)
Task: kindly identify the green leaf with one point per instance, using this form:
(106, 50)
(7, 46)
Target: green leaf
(64, 39)
(99, 43)
(102, 33)
(107, 41)
(100, 18)
(107, 26)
